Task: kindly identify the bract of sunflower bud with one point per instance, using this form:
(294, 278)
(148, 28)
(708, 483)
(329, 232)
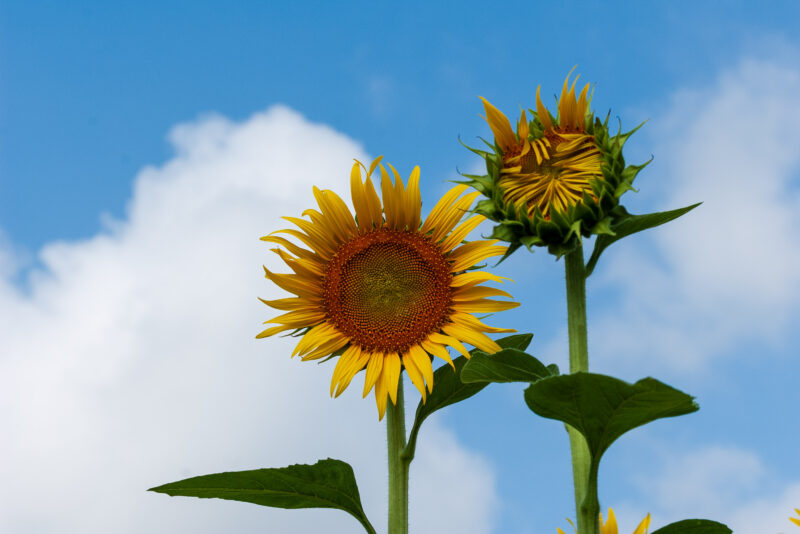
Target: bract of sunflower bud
(557, 178)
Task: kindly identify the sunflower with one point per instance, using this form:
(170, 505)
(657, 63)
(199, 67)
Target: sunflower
(384, 291)
(557, 177)
(796, 521)
(610, 527)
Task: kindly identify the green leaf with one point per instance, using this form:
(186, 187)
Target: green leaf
(507, 365)
(631, 225)
(447, 389)
(517, 341)
(602, 408)
(694, 526)
(326, 484)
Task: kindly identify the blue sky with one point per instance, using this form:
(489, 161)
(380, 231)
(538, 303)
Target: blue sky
(137, 137)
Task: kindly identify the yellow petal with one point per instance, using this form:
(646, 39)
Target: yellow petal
(293, 283)
(611, 525)
(415, 375)
(292, 303)
(458, 235)
(413, 200)
(320, 235)
(327, 348)
(300, 318)
(541, 111)
(337, 212)
(467, 319)
(374, 368)
(356, 365)
(450, 219)
(387, 193)
(306, 269)
(322, 249)
(472, 292)
(345, 360)
(523, 130)
(374, 165)
(473, 253)
(441, 207)
(272, 331)
(501, 127)
(439, 351)
(318, 335)
(472, 278)
(423, 362)
(291, 247)
(643, 526)
(363, 214)
(484, 305)
(380, 395)
(400, 201)
(476, 339)
(391, 374)
(450, 341)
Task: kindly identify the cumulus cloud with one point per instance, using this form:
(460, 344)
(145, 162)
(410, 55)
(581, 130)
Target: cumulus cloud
(722, 483)
(729, 271)
(129, 359)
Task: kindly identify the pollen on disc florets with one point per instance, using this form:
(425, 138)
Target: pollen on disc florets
(387, 290)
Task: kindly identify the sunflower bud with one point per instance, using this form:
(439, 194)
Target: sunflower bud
(557, 178)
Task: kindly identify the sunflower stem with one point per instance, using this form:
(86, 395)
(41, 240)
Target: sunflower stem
(575, 270)
(398, 464)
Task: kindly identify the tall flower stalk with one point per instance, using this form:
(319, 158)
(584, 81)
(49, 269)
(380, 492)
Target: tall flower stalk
(399, 464)
(551, 182)
(586, 503)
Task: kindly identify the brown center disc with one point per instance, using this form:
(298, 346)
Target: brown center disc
(387, 290)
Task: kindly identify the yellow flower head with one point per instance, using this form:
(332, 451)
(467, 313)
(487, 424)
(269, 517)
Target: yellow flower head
(557, 177)
(381, 290)
(796, 521)
(610, 526)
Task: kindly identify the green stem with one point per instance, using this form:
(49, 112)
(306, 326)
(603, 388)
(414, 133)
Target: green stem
(398, 464)
(579, 361)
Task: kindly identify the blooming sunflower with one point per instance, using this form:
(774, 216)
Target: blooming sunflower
(557, 177)
(796, 521)
(381, 290)
(610, 527)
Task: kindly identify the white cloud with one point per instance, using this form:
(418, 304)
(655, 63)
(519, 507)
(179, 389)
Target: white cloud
(131, 360)
(725, 484)
(703, 483)
(729, 272)
(768, 515)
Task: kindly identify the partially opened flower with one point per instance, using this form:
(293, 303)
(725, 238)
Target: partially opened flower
(610, 526)
(557, 177)
(381, 290)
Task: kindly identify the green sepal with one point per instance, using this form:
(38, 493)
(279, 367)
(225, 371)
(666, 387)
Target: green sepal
(326, 484)
(628, 224)
(507, 365)
(603, 408)
(694, 526)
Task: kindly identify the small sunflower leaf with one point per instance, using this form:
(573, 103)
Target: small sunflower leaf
(603, 408)
(326, 484)
(631, 225)
(507, 365)
(449, 389)
(694, 526)
(517, 341)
